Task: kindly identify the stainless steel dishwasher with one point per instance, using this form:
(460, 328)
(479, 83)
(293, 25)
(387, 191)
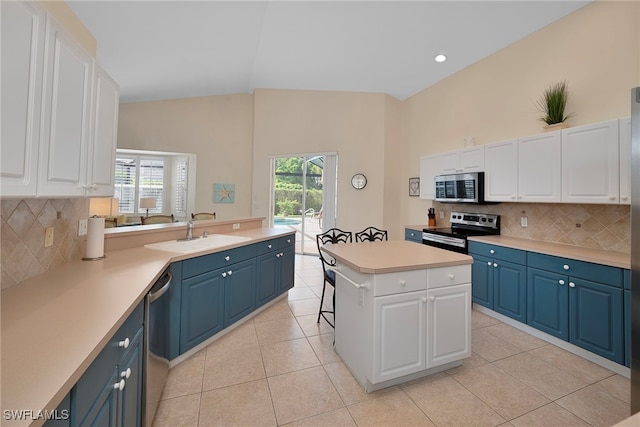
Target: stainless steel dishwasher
(156, 344)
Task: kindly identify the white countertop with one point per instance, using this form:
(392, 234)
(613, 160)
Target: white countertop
(55, 324)
(597, 256)
(393, 255)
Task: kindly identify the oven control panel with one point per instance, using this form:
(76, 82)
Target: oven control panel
(477, 219)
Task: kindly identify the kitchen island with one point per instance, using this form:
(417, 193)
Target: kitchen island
(403, 311)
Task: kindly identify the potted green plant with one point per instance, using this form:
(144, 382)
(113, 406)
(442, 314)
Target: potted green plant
(552, 104)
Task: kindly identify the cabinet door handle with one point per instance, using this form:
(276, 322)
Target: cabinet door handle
(281, 253)
(119, 385)
(612, 197)
(277, 255)
(124, 343)
(566, 266)
(424, 299)
(125, 374)
(572, 285)
(489, 263)
(432, 298)
(229, 272)
(495, 265)
(224, 274)
(561, 282)
(227, 258)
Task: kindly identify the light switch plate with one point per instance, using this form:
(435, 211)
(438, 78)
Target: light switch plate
(48, 237)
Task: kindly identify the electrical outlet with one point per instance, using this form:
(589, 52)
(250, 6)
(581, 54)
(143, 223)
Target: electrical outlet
(82, 227)
(236, 226)
(48, 237)
(523, 221)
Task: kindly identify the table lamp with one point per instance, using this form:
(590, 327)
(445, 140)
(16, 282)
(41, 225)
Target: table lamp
(148, 203)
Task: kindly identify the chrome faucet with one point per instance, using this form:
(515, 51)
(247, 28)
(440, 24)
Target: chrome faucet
(189, 230)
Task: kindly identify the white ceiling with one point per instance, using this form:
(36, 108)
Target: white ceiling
(176, 49)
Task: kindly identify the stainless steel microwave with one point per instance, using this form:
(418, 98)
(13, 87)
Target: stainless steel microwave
(460, 188)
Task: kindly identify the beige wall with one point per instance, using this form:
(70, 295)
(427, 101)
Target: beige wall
(351, 124)
(218, 129)
(63, 14)
(595, 49)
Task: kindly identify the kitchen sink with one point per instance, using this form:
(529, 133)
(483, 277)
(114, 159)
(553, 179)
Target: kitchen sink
(213, 241)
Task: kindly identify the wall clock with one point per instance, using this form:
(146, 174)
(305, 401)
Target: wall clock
(359, 181)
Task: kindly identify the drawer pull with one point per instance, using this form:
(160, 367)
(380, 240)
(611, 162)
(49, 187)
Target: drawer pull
(119, 385)
(403, 283)
(125, 374)
(269, 246)
(572, 285)
(227, 258)
(561, 282)
(288, 240)
(566, 267)
(124, 344)
(492, 251)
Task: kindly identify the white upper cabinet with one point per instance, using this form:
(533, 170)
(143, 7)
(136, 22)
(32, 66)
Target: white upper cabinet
(625, 160)
(539, 168)
(472, 159)
(590, 164)
(66, 115)
(104, 135)
(23, 29)
(501, 171)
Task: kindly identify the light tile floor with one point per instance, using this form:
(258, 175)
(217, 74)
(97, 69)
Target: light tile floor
(279, 368)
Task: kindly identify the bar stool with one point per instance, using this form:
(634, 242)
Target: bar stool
(334, 235)
(371, 234)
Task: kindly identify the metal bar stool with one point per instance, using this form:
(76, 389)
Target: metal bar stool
(371, 234)
(334, 235)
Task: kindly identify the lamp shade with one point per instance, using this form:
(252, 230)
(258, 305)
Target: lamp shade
(103, 206)
(148, 203)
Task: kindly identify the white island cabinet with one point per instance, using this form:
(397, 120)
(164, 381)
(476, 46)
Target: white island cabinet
(403, 310)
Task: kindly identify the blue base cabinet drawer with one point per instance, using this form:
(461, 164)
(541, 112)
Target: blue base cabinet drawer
(611, 276)
(202, 264)
(498, 252)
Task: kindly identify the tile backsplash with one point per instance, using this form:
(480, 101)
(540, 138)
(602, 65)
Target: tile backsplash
(606, 227)
(23, 223)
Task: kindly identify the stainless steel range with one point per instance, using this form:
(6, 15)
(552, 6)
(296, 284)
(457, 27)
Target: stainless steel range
(463, 224)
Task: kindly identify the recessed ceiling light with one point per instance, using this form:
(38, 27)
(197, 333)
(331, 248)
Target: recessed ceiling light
(440, 58)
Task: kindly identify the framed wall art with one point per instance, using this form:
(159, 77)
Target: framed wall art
(414, 186)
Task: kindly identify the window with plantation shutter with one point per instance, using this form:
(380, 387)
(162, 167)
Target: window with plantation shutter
(152, 174)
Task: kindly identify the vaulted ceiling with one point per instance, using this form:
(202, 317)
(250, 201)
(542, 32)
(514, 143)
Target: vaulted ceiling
(175, 49)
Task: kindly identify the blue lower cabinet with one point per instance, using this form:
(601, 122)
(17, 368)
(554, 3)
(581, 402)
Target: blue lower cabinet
(548, 302)
(510, 290)
(596, 318)
(266, 278)
(239, 290)
(627, 328)
(202, 308)
(482, 281)
(130, 369)
(109, 393)
(286, 272)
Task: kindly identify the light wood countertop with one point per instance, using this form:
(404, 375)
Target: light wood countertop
(393, 255)
(55, 324)
(610, 258)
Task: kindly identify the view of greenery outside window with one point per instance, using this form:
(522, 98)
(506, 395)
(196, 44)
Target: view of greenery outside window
(289, 186)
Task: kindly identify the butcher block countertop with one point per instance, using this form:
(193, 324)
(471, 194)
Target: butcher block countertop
(596, 256)
(55, 324)
(392, 256)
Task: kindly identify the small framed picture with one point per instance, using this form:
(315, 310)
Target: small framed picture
(414, 186)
